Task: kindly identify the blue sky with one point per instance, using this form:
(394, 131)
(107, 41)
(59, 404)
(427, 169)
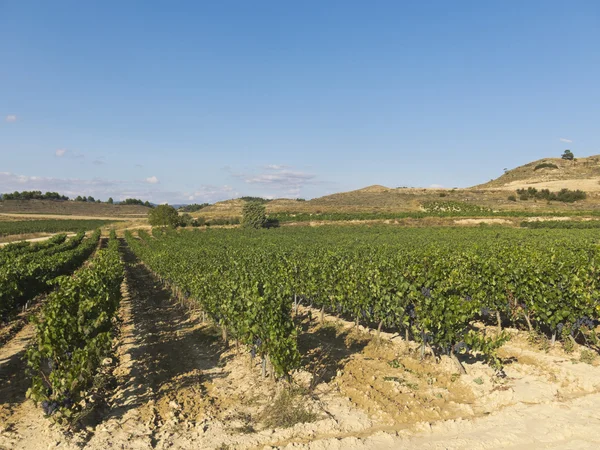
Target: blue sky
(203, 101)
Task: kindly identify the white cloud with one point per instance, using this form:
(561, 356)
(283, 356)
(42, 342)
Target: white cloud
(211, 194)
(276, 167)
(436, 186)
(152, 180)
(11, 118)
(568, 141)
(61, 152)
(280, 180)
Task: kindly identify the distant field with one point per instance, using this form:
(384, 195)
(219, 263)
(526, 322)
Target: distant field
(8, 228)
(71, 208)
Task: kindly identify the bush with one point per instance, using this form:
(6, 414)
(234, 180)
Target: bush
(512, 198)
(224, 221)
(546, 166)
(185, 220)
(564, 195)
(193, 207)
(163, 216)
(254, 215)
(255, 199)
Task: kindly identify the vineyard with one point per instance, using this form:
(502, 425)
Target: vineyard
(23, 276)
(433, 286)
(212, 338)
(8, 228)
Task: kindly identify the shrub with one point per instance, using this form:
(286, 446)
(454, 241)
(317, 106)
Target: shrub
(255, 199)
(546, 166)
(512, 198)
(564, 195)
(185, 220)
(193, 207)
(254, 215)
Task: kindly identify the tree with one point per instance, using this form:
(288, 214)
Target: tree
(568, 154)
(163, 216)
(90, 199)
(110, 201)
(254, 215)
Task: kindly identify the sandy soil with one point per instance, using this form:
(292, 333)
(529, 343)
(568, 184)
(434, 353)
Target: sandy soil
(179, 386)
(36, 239)
(587, 185)
(480, 221)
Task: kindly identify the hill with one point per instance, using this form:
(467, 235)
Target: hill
(71, 208)
(548, 173)
(551, 173)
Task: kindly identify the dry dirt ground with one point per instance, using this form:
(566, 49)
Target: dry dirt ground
(178, 386)
(35, 239)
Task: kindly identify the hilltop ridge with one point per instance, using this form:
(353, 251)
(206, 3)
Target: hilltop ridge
(551, 173)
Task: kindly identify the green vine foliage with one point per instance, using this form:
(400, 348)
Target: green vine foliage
(74, 334)
(22, 247)
(433, 284)
(23, 276)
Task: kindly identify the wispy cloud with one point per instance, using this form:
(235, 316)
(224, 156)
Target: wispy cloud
(278, 180)
(568, 141)
(211, 194)
(64, 153)
(11, 118)
(152, 180)
(276, 167)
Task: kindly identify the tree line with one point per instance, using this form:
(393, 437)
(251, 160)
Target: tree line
(38, 195)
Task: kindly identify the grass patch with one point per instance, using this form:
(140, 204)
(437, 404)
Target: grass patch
(587, 356)
(288, 409)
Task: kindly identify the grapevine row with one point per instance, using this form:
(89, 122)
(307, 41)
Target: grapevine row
(74, 334)
(435, 286)
(25, 276)
(22, 247)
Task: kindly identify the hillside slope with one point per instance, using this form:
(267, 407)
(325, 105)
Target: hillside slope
(551, 173)
(70, 208)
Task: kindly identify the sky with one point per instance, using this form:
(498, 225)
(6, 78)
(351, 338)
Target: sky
(200, 101)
